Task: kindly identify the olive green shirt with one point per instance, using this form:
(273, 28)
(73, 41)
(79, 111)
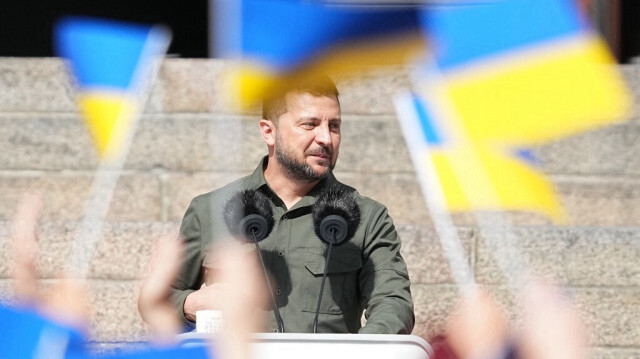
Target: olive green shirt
(367, 273)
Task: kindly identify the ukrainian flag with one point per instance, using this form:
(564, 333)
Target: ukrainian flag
(281, 40)
(472, 175)
(110, 62)
(521, 72)
(506, 75)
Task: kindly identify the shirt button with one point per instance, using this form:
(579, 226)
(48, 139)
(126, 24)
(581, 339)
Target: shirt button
(284, 217)
(278, 292)
(281, 253)
(275, 330)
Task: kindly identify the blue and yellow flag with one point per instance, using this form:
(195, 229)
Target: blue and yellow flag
(111, 63)
(280, 40)
(471, 174)
(523, 72)
(506, 75)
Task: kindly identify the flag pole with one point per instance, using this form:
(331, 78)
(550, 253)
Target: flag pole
(434, 197)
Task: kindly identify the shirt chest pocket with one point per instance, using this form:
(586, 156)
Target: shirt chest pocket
(341, 292)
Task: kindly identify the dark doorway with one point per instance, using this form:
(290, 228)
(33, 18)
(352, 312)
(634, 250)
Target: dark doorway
(26, 25)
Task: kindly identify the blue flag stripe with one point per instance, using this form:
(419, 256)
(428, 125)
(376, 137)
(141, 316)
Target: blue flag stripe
(467, 33)
(429, 131)
(102, 53)
(306, 29)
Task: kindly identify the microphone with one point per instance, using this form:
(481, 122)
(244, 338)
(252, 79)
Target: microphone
(248, 215)
(336, 217)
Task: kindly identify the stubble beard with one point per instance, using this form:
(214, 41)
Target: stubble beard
(297, 170)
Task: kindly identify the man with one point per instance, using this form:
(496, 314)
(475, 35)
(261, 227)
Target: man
(301, 127)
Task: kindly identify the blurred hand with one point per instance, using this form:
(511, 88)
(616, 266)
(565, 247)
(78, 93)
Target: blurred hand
(67, 301)
(245, 293)
(478, 329)
(153, 302)
(24, 240)
(553, 328)
(208, 297)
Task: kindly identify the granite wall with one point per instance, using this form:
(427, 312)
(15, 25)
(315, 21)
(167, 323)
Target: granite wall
(186, 144)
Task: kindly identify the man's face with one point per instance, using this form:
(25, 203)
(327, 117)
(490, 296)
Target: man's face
(308, 136)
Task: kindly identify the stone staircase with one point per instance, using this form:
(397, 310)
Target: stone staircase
(186, 144)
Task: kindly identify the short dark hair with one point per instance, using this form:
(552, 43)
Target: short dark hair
(275, 104)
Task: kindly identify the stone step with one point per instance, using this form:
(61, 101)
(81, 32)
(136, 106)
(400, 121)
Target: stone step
(121, 254)
(196, 142)
(162, 195)
(183, 85)
(596, 173)
(194, 85)
(573, 256)
(610, 313)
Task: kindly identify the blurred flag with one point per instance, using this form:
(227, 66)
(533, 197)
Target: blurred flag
(506, 75)
(111, 63)
(279, 40)
(471, 175)
(33, 335)
(524, 71)
(30, 335)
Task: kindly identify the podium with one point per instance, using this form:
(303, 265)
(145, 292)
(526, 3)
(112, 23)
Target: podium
(327, 346)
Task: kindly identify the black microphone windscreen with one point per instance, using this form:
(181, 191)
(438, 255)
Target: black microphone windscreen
(340, 201)
(244, 203)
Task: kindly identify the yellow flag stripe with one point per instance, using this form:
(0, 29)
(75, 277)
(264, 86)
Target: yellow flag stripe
(477, 178)
(109, 118)
(540, 98)
(250, 81)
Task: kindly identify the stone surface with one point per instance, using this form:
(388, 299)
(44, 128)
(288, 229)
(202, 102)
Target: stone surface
(45, 142)
(573, 256)
(600, 201)
(593, 201)
(179, 143)
(612, 315)
(115, 316)
(187, 144)
(180, 189)
(35, 85)
(426, 261)
(136, 197)
(615, 353)
(631, 75)
(372, 144)
(432, 306)
(610, 151)
(192, 85)
(398, 191)
(371, 92)
(122, 254)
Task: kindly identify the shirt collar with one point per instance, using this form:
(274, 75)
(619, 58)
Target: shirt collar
(257, 181)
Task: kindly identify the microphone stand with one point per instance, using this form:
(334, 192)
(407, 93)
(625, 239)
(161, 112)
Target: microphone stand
(276, 311)
(324, 277)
